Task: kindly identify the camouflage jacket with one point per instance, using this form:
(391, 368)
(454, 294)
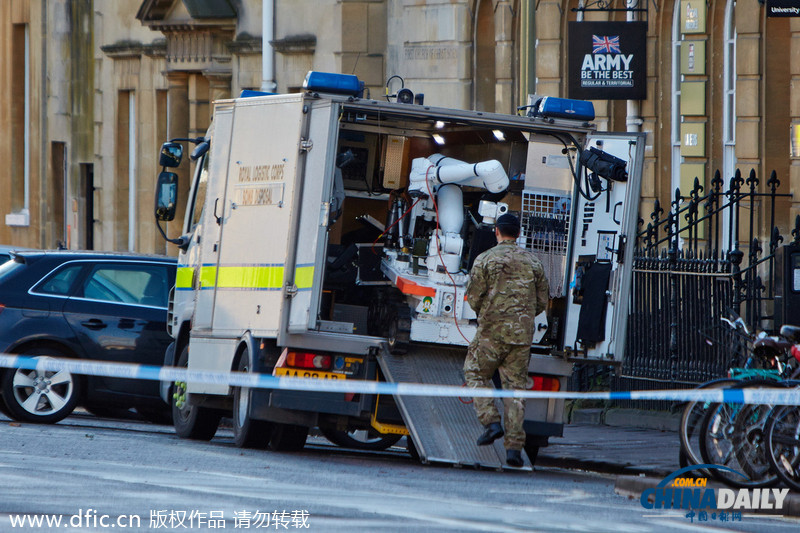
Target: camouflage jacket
(507, 288)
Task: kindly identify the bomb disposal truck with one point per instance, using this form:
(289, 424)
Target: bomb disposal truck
(328, 235)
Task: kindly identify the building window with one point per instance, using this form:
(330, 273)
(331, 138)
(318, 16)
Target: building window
(125, 193)
(20, 127)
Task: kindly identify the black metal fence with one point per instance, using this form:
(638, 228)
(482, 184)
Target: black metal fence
(690, 269)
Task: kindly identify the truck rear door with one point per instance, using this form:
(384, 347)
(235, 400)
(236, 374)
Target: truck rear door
(256, 213)
(601, 254)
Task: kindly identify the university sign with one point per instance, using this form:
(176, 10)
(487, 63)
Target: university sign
(608, 60)
(783, 8)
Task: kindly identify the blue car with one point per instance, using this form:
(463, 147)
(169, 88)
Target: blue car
(83, 305)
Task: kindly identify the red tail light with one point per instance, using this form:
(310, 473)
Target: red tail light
(308, 360)
(795, 350)
(544, 383)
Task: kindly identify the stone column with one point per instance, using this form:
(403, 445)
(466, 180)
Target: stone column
(219, 85)
(178, 126)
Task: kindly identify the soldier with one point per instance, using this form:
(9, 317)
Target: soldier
(507, 288)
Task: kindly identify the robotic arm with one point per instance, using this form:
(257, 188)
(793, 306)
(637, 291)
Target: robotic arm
(440, 170)
(442, 176)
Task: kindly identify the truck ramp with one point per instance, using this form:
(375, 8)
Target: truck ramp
(443, 430)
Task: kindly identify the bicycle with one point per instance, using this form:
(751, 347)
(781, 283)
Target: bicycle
(758, 353)
(782, 429)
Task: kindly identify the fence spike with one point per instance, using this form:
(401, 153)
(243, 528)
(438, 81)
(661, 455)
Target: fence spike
(773, 182)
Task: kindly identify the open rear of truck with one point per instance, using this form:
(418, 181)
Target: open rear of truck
(288, 265)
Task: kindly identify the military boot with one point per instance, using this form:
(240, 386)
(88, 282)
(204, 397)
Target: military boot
(493, 432)
(514, 458)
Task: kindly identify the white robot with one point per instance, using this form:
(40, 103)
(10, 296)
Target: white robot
(423, 257)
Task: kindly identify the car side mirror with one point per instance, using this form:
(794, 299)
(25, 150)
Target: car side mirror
(166, 196)
(171, 154)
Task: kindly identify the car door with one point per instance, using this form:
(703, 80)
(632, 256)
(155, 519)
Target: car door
(118, 313)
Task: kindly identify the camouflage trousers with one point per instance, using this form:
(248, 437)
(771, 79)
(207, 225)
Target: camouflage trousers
(511, 360)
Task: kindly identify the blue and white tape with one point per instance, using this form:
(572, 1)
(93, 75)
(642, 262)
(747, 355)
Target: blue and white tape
(771, 396)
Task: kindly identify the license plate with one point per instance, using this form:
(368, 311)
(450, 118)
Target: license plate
(303, 373)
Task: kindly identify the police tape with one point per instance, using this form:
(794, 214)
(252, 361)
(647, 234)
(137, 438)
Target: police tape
(771, 395)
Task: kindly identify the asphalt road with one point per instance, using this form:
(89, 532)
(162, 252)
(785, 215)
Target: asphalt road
(126, 471)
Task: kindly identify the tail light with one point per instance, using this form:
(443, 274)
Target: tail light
(796, 351)
(308, 360)
(544, 383)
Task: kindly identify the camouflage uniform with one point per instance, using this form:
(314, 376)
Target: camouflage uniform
(507, 289)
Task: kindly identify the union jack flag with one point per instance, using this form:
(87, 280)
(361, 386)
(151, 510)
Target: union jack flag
(609, 45)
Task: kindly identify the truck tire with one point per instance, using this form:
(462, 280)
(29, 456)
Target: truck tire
(359, 439)
(191, 421)
(288, 438)
(247, 433)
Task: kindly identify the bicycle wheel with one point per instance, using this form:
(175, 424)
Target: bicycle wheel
(733, 436)
(691, 421)
(783, 444)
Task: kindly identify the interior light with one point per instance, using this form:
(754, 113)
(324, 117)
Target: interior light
(499, 135)
(439, 124)
(438, 138)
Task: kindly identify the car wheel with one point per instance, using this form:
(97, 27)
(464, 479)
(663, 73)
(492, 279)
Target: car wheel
(247, 433)
(40, 396)
(191, 421)
(288, 438)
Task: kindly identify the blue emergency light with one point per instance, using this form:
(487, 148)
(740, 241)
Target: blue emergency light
(327, 82)
(551, 107)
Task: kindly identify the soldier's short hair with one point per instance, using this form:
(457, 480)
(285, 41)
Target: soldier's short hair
(508, 225)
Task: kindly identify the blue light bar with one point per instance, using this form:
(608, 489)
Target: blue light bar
(551, 107)
(249, 93)
(327, 82)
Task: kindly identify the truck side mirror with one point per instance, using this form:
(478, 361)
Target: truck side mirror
(171, 154)
(166, 195)
(199, 150)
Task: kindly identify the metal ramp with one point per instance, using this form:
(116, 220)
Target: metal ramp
(443, 430)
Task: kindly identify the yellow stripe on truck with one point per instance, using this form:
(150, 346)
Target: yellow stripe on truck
(264, 277)
(183, 278)
(246, 277)
(304, 277)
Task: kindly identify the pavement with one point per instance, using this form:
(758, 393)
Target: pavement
(639, 447)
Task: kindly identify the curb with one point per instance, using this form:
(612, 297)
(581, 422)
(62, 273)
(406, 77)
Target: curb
(601, 467)
(632, 487)
(632, 418)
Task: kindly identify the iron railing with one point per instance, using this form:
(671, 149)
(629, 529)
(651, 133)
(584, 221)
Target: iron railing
(690, 270)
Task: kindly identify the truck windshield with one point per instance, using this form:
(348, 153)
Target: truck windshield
(199, 199)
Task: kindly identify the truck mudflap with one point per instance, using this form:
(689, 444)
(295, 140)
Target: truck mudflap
(444, 430)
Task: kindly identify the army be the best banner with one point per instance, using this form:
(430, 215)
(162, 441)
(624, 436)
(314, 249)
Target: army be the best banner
(608, 60)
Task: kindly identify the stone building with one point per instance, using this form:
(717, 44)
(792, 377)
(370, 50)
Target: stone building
(90, 88)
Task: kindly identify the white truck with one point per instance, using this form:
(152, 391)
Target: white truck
(326, 234)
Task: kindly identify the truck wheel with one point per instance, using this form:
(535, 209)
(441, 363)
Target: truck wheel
(359, 439)
(247, 433)
(43, 397)
(191, 421)
(288, 438)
